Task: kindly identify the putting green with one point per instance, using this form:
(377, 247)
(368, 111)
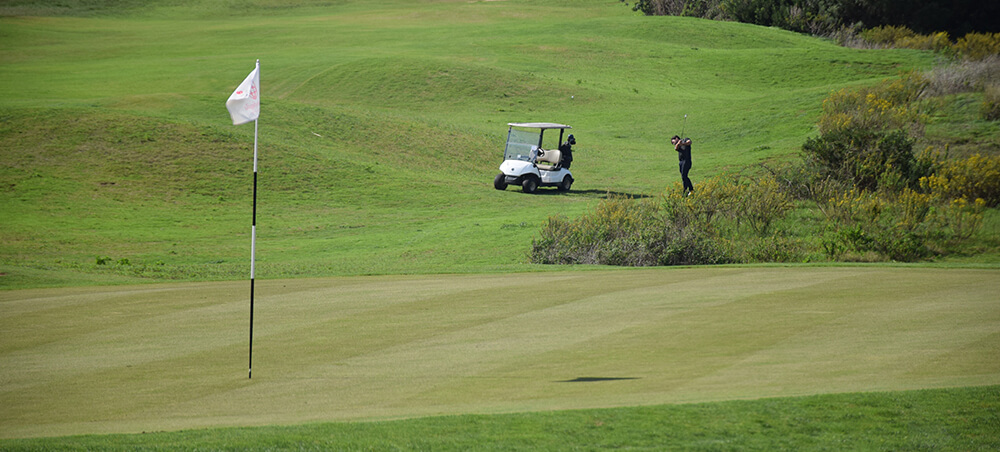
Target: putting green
(166, 357)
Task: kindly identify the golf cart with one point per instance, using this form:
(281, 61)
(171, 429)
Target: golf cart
(530, 161)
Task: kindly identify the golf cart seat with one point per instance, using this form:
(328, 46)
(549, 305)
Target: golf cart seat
(549, 159)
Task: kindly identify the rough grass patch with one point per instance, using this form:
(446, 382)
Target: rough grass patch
(991, 103)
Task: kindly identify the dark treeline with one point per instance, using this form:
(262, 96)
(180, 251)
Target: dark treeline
(957, 17)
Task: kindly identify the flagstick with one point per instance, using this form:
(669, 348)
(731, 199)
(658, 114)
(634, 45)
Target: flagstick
(253, 240)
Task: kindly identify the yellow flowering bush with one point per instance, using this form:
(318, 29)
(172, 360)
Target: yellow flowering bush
(977, 46)
(888, 105)
(974, 178)
(972, 46)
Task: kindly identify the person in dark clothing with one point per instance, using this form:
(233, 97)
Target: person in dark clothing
(683, 148)
(566, 150)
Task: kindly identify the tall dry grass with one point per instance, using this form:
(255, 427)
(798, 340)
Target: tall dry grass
(963, 76)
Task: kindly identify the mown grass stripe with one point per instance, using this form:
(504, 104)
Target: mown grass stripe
(170, 356)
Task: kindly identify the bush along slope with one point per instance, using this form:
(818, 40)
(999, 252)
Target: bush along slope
(882, 22)
(859, 193)
(729, 219)
(754, 220)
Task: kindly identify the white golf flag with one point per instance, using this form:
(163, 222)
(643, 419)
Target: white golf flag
(244, 103)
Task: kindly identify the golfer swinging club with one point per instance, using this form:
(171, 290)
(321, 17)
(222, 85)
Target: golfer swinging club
(683, 148)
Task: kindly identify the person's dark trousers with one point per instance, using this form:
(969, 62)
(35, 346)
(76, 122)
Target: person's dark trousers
(685, 167)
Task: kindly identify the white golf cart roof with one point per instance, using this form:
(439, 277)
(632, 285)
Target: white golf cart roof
(539, 125)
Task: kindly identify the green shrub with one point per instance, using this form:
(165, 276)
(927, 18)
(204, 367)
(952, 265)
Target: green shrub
(759, 204)
(707, 9)
(723, 221)
(867, 224)
(689, 246)
(615, 233)
(867, 134)
(887, 35)
(775, 248)
(905, 226)
(865, 158)
(867, 141)
(740, 219)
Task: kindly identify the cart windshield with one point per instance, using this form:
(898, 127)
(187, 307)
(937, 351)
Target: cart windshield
(520, 144)
(522, 141)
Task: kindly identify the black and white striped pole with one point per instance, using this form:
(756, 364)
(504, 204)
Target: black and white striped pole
(244, 106)
(253, 244)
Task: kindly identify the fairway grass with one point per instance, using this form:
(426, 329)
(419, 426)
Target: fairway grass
(174, 356)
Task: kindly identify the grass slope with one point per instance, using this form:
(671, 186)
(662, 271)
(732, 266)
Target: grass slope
(381, 129)
(171, 357)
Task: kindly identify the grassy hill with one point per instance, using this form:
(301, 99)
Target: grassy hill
(381, 129)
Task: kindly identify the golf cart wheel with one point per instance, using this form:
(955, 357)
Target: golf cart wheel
(500, 182)
(566, 183)
(529, 185)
